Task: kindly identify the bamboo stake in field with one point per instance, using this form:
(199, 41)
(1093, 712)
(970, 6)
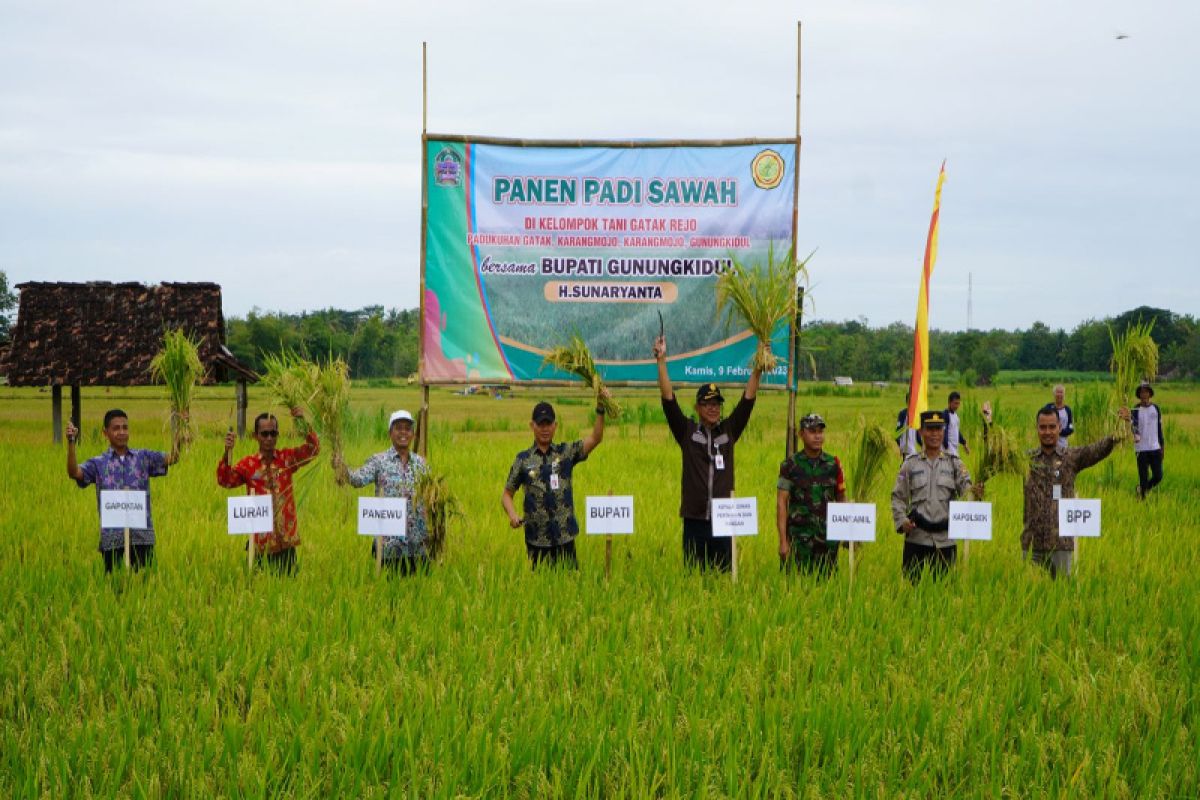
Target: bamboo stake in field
(128, 563)
(608, 548)
(250, 554)
(378, 555)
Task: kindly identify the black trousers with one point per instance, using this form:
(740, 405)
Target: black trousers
(702, 549)
(559, 555)
(918, 558)
(140, 555)
(281, 563)
(406, 565)
(1149, 470)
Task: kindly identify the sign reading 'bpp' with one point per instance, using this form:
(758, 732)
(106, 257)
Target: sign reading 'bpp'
(850, 522)
(610, 514)
(1078, 517)
(122, 509)
(252, 514)
(970, 520)
(735, 516)
(383, 516)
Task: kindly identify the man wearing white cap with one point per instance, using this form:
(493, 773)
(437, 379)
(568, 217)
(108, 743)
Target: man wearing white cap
(395, 472)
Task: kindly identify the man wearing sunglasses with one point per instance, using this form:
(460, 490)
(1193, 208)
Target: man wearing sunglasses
(269, 471)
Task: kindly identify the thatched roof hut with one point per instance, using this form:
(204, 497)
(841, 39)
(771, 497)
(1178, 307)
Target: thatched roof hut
(105, 334)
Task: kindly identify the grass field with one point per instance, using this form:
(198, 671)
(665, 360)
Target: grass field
(483, 679)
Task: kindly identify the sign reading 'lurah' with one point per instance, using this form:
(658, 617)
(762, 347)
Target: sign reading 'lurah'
(382, 516)
(122, 509)
(610, 514)
(252, 514)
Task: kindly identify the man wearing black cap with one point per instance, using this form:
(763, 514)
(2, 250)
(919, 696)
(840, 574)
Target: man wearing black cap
(808, 482)
(706, 446)
(1148, 441)
(925, 485)
(545, 471)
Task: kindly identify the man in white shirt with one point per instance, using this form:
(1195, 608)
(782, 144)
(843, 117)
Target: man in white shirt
(954, 435)
(1148, 440)
(1066, 419)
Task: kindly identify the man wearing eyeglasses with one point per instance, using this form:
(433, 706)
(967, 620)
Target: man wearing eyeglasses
(269, 471)
(706, 445)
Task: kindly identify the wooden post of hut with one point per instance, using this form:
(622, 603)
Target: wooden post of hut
(56, 425)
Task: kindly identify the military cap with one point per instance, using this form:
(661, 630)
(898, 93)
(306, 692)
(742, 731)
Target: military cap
(810, 422)
(709, 393)
(933, 419)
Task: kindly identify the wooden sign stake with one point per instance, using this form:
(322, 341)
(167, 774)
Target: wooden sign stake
(852, 564)
(250, 554)
(127, 547)
(378, 555)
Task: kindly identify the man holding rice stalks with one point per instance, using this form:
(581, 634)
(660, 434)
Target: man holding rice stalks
(395, 473)
(270, 471)
(545, 470)
(1148, 441)
(808, 481)
(1052, 470)
(706, 445)
(120, 468)
(925, 485)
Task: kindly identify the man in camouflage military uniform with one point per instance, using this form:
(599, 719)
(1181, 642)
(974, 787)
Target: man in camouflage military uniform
(807, 482)
(925, 485)
(1052, 470)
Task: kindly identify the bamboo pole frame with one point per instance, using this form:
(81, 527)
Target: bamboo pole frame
(794, 326)
(422, 447)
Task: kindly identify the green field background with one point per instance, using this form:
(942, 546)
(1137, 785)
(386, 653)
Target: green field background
(482, 679)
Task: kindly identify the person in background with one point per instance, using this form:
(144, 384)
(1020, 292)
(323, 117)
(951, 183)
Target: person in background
(546, 470)
(1052, 471)
(270, 471)
(120, 468)
(706, 447)
(953, 436)
(808, 481)
(908, 440)
(1148, 441)
(1066, 418)
(925, 485)
(395, 473)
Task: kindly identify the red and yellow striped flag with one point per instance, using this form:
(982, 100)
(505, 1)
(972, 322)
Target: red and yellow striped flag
(919, 387)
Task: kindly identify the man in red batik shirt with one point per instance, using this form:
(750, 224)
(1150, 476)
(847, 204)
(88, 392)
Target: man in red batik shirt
(269, 471)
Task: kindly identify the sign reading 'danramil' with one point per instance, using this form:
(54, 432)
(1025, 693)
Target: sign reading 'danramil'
(735, 516)
(252, 514)
(970, 520)
(382, 516)
(1079, 517)
(850, 522)
(122, 509)
(610, 514)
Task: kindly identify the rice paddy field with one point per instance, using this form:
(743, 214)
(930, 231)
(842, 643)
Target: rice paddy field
(482, 679)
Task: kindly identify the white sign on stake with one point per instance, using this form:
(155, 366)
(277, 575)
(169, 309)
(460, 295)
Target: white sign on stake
(850, 522)
(1078, 517)
(970, 520)
(251, 514)
(735, 516)
(383, 516)
(610, 514)
(122, 509)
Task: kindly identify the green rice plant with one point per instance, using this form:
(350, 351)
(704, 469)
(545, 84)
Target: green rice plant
(432, 492)
(761, 296)
(575, 358)
(1134, 359)
(289, 380)
(178, 366)
(872, 452)
(328, 401)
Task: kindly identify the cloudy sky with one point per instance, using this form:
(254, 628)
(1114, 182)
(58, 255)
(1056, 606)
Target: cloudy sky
(273, 146)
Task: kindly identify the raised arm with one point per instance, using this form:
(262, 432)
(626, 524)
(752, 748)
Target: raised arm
(73, 470)
(593, 439)
(752, 385)
(664, 380)
(227, 476)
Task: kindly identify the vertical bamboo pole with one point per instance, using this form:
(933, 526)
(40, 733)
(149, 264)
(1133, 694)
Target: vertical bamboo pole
(423, 415)
(608, 550)
(250, 554)
(56, 425)
(852, 565)
(793, 344)
(378, 555)
(128, 560)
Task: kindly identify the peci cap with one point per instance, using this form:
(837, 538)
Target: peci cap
(398, 416)
(933, 419)
(709, 393)
(543, 412)
(810, 422)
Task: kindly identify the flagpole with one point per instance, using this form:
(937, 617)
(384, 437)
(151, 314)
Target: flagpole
(794, 326)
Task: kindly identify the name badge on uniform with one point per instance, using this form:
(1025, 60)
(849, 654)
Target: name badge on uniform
(719, 461)
(554, 481)
(1056, 492)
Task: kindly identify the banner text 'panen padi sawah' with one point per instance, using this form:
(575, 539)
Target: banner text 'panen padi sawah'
(525, 246)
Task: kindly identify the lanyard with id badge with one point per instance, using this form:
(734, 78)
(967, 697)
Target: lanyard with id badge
(1056, 491)
(554, 481)
(718, 459)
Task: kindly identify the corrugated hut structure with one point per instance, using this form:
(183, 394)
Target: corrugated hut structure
(105, 334)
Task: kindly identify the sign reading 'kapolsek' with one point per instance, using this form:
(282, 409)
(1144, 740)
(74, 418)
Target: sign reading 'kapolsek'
(970, 520)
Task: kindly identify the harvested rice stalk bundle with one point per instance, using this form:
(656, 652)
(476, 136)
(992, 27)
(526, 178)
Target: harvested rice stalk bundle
(872, 452)
(179, 367)
(761, 297)
(432, 494)
(998, 453)
(1134, 359)
(329, 399)
(290, 380)
(576, 359)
